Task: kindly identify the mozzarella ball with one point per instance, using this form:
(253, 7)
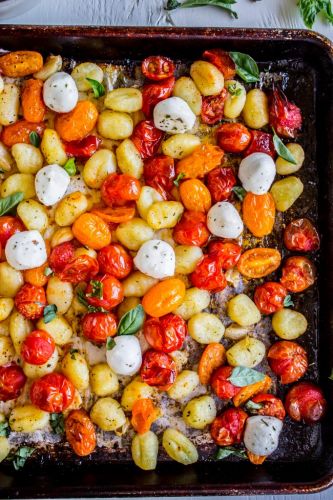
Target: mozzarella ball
(257, 172)
(60, 92)
(26, 250)
(224, 221)
(261, 435)
(51, 184)
(125, 357)
(156, 258)
(174, 116)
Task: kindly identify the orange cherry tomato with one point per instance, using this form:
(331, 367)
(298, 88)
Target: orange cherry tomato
(21, 63)
(288, 360)
(233, 137)
(212, 357)
(36, 276)
(195, 196)
(61, 255)
(269, 297)
(204, 158)
(271, 406)
(98, 326)
(249, 391)
(228, 427)
(191, 229)
(164, 297)
(20, 132)
(115, 215)
(255, 459)
(92, 231)
(298, 273)
(12, 380)
(144, 414)
(52, 393)
(259, 213)
(30, 301)
(9, 225)
(104, 291)
(259, 262)
(222, 61)
(166, 334)
(221, 385)
(158, 369)
(33, 106)
(115, 260)
(305, 402)
(82, 268)
(209, 274)
(80, 432)
(78, 123)
(37, 347)
(301, 236)
(119, 189)
(228, 253)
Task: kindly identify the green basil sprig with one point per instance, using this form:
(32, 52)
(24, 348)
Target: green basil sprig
(226, 451)
(246, 67)
(82, 298)
(97, 88)
(282, 150)
(241, 376)
(132, 321)
(20, 456)
(96, 289)
(222, 4)
(6, 204)
(49, 313)
(110, 343)
(239, 192)
(253, 407)
(178, 179)
(70, 167)
(57, 423)
(4, 428)
(48, 271)
(288, 302)
(309, 9)
(34, 139)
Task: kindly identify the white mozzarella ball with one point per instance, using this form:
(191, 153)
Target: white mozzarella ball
(257, 172)
(26, 250)
(51, 183)
(125, 357)
(174, 116)
(224, 221)
(60, 92)
(156, 258)
(261, 435)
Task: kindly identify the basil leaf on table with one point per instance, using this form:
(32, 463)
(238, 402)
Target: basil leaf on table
(309, 9)
(282, 150)
(57, 423)
(226, 451)
(132, 321)
(241, 376)
(97, 88)
(34, 139)
(246, 67)
(222, 4)
(49, 313)
(6, 204)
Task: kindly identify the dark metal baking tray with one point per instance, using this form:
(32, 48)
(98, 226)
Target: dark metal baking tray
(305, 462)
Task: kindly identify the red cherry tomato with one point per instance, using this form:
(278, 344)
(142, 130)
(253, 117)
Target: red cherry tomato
(37, 347)
(220, 182)
(213, 107)
(222, 387)
(209, 274)
(191, 229)
(147, 138)
(166, 334)
(261, 142)
(8, 226)
(285, 117)
(30, 301)
(156, 92)
(82, 268)
(118, 189)
(84, 148)
(301, 236)
(52, 392)
(288, 360)
(228, 253)
(305, 402)
(269, 297)
(298, 273)
(271, 406)
(104, 291)
(222, 61)
(61, 255)
(98, 326)
(114, 260)
(159, 172)
(228, 428)
(12, 380)
(157, 67)
(158, 369)
(233, 137)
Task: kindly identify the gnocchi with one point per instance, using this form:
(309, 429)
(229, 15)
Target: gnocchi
(28, 158)
(103, 381)
(98, 167)
(184, 385)
(247, 352)
(289, 324)
(28, 418)
(108, 414)
(145, 450)
(206, 328)
(179, 447)
(200, 412)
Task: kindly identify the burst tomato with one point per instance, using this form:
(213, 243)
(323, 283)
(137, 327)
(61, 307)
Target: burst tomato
(115, 215)
(222, 61)
(288, 360)
(195, 196)
(84, 148)
(259, 213)
(92, 231)
(209, 274)
(233, 137)
(52, 392)
(30, 301)
(153, 93)
(213, 107)
(80, 432)
(78, 123)
(259, 262)
(12, 380)
(159, 172)
(222, 387)
(8, 226)
(271, 406)
(98, 326)
(20, 132)
(157, 67)
(118, 189)
(285, 117)
(301, 236)
(191, 229)
(228, 428)
(212, 357)
(166, 334)
(201, 161)
(298, 273)
(164, 297)
(228, 253)
(81, 268)
(220, 182)
(269, 297)
(144, 414)
(33, 106)
(261, 142)
(147, 138)
(114, 260)
(104, 291)
(61, 255)
(158, 369)
(37, 347)
(305, 402)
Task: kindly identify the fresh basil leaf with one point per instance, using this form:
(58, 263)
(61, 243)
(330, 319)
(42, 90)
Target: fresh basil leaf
(70, 167)
(253, 407)
(226, 451)
(222, 4)
(34, 139)
(241, 376)
(331, 376)
(132, 321)
(309, 9)
(48, 271)
(57, 423)
(6, 204)
(4, 428)
(81, 297)
(246, 67)
(49, 313)
(288, 302)
(97, 289)
(20, 456)
(179, 178)
(98, 88)
(110, 343)
(282, 150)
(234, 89)
(239, 192)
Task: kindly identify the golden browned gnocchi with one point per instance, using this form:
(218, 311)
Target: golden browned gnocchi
(108, 414)
(199, 412)
(145, 450)
(179, 447)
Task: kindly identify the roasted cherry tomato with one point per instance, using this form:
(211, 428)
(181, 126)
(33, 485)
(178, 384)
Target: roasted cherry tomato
(52, 392)
(92, 231)
(8, 226)
(195, 195)
(30, 301)
(147, 138)
(212, 357)
(80, 432)
(98, 326)
(114, 260)
(271, 406)
(222, 387)
(12, 380)
(222, 61)
(213, 107)
(84, 148)
(37, 347)
(288, 360)
(144, 414)
(119, 189)
(305, 402)
(259, 262)
(228, 253)
(82, 268)
(228, 427)
(220, 182)
(164, 297)
(166, 334)
(233, 137)
(269, 297)
(201, 161)
(261, 142)
(285, 117)
(157, 67)
(298, 273)
(104, 291)
(159, 172)
(191, 229)
(115, 215)
(78, 123)
(301, 236)
(61, 255)
(158, 369)
(20, 132)
(209, 274)
(33, 106)
(152, 93)
(259, 213)
(36, 275)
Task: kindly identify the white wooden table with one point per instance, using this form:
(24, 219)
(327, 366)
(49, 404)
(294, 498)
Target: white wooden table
(266, 13)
